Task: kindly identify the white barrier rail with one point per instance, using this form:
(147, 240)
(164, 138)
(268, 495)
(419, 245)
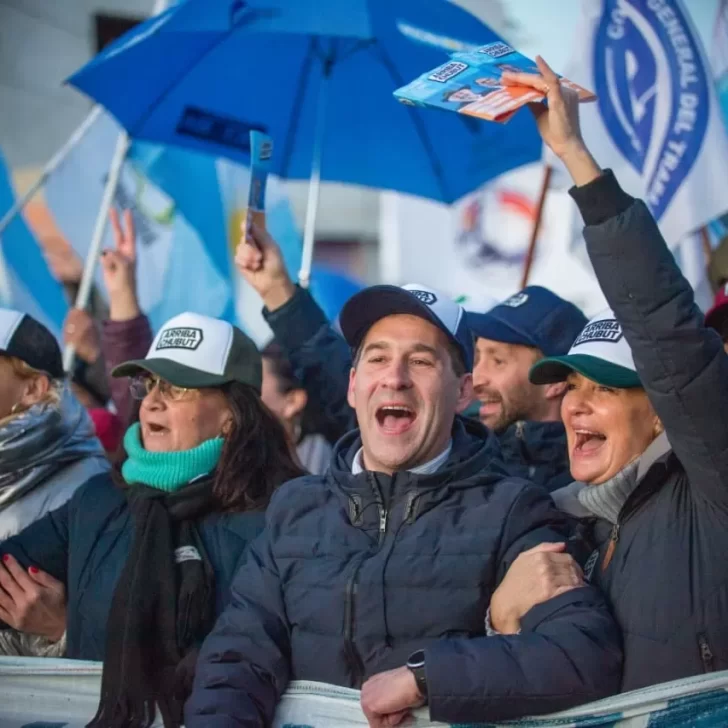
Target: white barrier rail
(34, 691)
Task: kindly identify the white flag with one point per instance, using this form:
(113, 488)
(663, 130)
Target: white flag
(656, 122)
(475, 250)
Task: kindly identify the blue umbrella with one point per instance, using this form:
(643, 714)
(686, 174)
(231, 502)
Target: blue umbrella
(318, 76)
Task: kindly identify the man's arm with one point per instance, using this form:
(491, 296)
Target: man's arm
(320, 358)
(243, 668)
(568, 652)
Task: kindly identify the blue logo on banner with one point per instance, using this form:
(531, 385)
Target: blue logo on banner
(653, 92)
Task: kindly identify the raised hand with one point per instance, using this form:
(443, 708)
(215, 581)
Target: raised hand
(558, 122)
(80, 332)
(119, 269)
(259, 260)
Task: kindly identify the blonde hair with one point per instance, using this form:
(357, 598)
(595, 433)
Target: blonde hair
(25, 372)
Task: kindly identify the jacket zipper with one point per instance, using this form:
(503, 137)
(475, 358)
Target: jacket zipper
(632, 504)
(613, 538)
(357, 664)
(706, 654)
(355, 661)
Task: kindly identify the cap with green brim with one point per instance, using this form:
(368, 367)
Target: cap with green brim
(195, 351)
(600, 353)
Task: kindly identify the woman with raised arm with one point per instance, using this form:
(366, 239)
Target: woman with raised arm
(647, 428)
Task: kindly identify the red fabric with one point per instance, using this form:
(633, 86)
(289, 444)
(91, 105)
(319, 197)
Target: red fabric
(718, 314)
(109, 428)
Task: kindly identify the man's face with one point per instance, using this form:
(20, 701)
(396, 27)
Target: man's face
(464, 95)
(500, 381)
(405, 393)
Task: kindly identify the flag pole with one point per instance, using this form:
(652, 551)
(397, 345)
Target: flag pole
(309, 236)
(50, 167)
(84, 290)
(112, 182)
(20, 203)
(531, 254)
(707, 247)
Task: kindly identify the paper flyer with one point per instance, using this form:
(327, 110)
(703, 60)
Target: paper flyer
(261, 153)
(469, 83)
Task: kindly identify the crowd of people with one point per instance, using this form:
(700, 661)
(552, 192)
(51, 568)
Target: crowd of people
(323, 510)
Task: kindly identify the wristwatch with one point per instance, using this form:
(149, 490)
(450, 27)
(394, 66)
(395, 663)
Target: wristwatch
(416, 665)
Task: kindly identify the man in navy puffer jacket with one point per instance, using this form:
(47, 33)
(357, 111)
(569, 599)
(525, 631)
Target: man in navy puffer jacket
(379, 574)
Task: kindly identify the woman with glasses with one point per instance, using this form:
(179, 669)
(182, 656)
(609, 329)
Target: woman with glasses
(148, 552)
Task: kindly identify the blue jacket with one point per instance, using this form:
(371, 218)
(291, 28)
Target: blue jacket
(85, 542)
(354, 573)
(537, 451)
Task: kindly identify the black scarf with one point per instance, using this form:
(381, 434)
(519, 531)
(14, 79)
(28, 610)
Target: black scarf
(161, 610)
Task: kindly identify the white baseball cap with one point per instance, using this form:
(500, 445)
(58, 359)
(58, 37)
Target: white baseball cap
(367, 307)
(22, 337)
(196, 351)
(600, 353)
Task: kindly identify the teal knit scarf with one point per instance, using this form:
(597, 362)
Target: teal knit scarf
(167, 471)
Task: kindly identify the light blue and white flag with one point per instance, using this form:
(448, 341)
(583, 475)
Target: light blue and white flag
(657, 121)
(175, 269)
(32, 289)
(187, 209)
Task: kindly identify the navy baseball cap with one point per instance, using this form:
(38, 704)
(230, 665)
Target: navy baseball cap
(367, 307)
(534, 317)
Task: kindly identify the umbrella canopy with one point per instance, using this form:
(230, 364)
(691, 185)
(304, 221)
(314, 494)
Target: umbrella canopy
(206, 72)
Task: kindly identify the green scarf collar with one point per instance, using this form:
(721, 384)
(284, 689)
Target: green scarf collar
(167, 471)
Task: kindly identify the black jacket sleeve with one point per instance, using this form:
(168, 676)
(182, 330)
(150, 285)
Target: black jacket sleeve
(44, 543)
(681, 363)
(568, 652)
(320, 358)
(244, 667)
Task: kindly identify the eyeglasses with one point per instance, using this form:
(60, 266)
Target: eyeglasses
(142, 385)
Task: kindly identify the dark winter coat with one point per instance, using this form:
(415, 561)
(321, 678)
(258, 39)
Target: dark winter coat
(356, 572)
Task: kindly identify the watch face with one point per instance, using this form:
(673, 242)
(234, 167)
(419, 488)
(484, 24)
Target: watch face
(416, 659)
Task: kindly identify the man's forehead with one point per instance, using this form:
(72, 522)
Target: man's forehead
(405, 330)
(492, 345)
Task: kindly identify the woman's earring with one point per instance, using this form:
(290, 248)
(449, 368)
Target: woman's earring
(15, 408)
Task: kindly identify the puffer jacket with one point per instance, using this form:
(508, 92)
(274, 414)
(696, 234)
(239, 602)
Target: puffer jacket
(85, 544)
(45, 454)
(356, 572)
(537, 451)
(667, 579)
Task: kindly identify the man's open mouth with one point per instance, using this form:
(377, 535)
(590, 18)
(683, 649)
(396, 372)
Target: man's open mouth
(395, 418)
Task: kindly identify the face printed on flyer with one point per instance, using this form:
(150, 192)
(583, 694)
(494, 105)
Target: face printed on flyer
(470, 83)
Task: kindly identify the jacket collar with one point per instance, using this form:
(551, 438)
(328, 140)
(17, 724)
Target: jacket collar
(474, 459)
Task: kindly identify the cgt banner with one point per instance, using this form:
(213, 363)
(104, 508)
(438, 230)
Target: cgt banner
(657, 122)
(52, 693)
